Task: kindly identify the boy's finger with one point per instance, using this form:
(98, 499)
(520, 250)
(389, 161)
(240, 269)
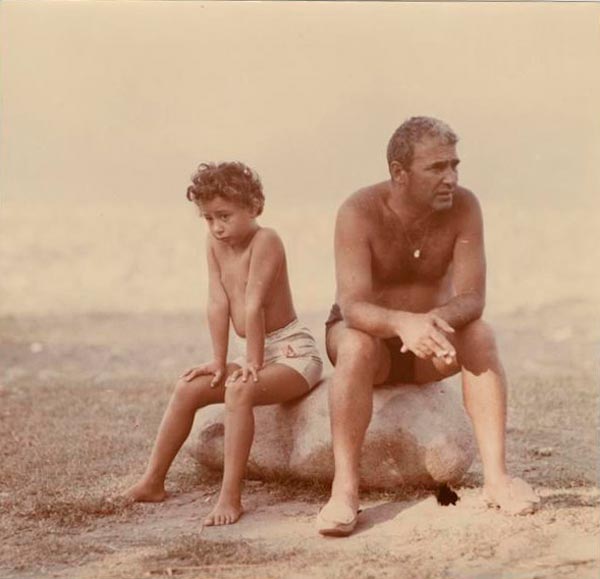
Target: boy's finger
(215, 381)
(254, 374)
(244, 374)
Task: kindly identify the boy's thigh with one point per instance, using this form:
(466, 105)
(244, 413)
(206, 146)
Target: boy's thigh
(277, 383)
(201, 391)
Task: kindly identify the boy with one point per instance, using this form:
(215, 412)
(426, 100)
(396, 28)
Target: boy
(248, 284)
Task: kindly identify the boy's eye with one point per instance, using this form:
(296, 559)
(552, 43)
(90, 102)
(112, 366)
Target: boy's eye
(225, 217)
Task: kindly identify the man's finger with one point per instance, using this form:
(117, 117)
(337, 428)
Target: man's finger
(443, 324)
(443, 342)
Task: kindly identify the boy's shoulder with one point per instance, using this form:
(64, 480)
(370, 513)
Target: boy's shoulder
(267, 237)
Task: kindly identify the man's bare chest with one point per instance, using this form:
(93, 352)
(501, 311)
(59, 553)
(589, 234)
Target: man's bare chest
(422, 258)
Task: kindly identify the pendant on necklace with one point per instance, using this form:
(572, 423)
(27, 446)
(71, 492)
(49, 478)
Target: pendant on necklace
(417, 253)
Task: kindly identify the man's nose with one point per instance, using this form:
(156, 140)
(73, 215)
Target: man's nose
(451, 176)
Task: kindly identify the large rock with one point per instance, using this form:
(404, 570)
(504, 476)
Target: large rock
(418, 436)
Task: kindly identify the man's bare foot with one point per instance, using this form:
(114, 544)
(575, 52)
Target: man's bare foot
(337, 518)
(512, 495)
(224, 513)
(143, 492)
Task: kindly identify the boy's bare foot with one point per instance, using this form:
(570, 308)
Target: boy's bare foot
(224, 513)
(143, 492)
(514, 497)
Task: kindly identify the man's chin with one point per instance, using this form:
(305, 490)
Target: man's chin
(442, 202)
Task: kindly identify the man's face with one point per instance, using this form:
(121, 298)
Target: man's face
(433, 176)
(228, 222)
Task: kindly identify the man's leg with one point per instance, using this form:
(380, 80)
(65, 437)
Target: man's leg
(360, 361)
(484, 395)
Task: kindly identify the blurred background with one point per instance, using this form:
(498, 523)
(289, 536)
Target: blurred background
(107, 108)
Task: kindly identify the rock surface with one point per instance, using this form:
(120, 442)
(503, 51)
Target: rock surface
(418, 436)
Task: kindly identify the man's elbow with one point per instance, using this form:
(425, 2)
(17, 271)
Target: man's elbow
(478, 306)
(348, 309)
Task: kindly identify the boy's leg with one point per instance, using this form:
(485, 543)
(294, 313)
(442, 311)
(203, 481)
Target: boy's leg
(276, 383)
(174, 428)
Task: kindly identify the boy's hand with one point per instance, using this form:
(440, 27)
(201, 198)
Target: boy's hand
(218, 370)
(247, 370)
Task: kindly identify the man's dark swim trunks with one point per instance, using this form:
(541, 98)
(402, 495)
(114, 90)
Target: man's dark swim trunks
(402, 364)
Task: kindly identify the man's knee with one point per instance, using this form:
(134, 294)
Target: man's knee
(356, 349)
(476, 346)
(477, 333)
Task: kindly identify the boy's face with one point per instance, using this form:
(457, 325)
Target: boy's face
(227, 221)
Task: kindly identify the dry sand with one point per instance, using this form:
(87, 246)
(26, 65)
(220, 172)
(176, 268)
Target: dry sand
(102, 309)
(552, 443)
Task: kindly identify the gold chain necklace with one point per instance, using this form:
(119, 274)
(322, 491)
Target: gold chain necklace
(416, 250)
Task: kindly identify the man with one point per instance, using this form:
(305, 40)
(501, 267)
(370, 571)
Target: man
(410, 269)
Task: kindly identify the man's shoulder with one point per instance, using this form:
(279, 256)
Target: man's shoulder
(465, 201)
(366, 202)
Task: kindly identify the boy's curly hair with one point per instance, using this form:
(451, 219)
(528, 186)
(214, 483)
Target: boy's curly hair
(233, 181)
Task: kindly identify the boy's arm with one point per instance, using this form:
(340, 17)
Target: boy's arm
(267, 258)
(218, 310)
(218, 324)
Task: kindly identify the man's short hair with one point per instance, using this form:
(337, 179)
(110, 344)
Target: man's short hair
(401, 147)
(232, 181)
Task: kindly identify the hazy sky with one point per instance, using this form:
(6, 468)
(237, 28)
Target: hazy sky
(123, 99)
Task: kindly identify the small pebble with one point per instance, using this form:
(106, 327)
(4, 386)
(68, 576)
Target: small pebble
(36, 347)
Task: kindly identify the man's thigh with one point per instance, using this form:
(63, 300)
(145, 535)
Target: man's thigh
(342, 342)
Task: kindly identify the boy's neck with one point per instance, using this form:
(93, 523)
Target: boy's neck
(244, 242)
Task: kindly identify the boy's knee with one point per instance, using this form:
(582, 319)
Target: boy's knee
(186, 392)
(239, 393)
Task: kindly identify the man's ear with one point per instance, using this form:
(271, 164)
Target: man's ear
(398, 173)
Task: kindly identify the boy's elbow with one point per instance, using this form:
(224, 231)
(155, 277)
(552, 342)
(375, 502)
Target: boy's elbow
(254, 308)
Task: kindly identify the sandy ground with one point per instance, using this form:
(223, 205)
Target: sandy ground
(552, 428)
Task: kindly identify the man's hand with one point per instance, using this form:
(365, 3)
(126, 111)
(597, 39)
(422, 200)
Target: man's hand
(425, 336)
(218, 371)
(247, 370)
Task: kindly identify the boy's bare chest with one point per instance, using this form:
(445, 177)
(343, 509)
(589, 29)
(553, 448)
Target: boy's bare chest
(234, 272)
(423, 256)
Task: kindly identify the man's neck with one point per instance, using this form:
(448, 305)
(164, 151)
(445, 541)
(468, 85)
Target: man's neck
(405, 208)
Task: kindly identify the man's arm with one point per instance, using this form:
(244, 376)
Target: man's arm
(468, 279)
(266, 261)
(353, 275)
(422, 334)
